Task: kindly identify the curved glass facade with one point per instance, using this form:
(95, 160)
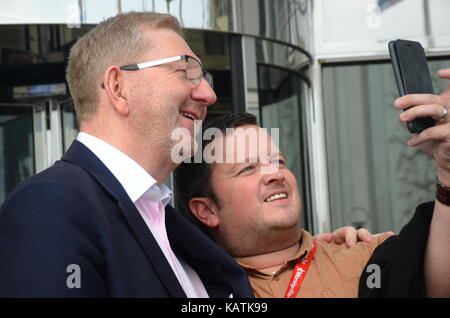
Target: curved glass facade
(283, 20)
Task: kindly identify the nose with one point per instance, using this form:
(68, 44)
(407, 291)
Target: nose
(273, 175)
(204, 94)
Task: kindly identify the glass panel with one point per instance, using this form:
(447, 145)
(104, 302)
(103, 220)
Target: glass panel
(213, 50)
(33, 61)
(69, 124)
(280, 96)
(16, 147)
(32, 69)
(375, 179)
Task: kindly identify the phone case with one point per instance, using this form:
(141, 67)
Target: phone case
(412, 76)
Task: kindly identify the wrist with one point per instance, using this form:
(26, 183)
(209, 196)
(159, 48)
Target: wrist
(443, 175)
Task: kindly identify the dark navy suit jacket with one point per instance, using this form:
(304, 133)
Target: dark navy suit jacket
(76, 212)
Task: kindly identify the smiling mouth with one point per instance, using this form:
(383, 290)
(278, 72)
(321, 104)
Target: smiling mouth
(188, 115)
(276, 196)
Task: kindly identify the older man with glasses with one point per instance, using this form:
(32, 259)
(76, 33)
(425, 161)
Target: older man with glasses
(98, 223)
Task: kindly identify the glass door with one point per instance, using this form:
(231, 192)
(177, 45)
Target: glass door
(281, 97)
(69, 123)
(22, 144)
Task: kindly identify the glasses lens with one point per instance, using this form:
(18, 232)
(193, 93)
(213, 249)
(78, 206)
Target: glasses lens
(194, 72)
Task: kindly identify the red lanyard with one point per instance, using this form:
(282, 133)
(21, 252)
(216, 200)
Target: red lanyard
(299, 274)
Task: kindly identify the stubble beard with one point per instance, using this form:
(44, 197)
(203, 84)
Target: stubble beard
(260, 239)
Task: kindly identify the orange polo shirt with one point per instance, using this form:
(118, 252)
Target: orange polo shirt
(334, 271)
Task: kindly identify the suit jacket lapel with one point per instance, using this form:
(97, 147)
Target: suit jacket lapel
(218, 271)
(83, 157)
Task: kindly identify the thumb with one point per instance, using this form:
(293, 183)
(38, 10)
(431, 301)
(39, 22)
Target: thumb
(444, 73)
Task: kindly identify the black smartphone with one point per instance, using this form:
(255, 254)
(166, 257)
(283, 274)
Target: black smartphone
(412, 76)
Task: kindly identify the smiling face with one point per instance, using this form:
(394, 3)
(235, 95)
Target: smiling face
(162, 99)
(258, 208)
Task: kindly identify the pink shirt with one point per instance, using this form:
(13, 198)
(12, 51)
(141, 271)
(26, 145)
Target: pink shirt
(149, 199)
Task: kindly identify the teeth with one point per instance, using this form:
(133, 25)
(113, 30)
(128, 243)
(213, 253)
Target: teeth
(276, 196)
(188, 115)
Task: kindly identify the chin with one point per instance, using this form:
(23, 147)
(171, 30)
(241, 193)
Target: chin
(292, 223)
(288, 227)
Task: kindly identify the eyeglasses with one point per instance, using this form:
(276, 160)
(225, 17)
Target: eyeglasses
(194, 69)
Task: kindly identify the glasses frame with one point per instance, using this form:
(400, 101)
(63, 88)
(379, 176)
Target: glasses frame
(206, 75)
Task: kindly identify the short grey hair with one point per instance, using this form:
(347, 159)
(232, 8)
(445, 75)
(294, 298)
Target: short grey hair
(115, 41)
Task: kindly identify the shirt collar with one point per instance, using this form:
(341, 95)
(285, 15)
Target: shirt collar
(306, 245)
(135, 180)
(155, 193)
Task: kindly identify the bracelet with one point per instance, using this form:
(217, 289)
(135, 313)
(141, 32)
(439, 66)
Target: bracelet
(442, 193)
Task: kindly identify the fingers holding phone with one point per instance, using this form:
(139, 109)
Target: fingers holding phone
(444, 73)
(435, 141)
(425, 105)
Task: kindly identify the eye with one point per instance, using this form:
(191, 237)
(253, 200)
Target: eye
(279, 162)
(183, 74)
(247, 169)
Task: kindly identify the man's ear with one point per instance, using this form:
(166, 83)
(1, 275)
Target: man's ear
(114, 87)
(205, 210)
